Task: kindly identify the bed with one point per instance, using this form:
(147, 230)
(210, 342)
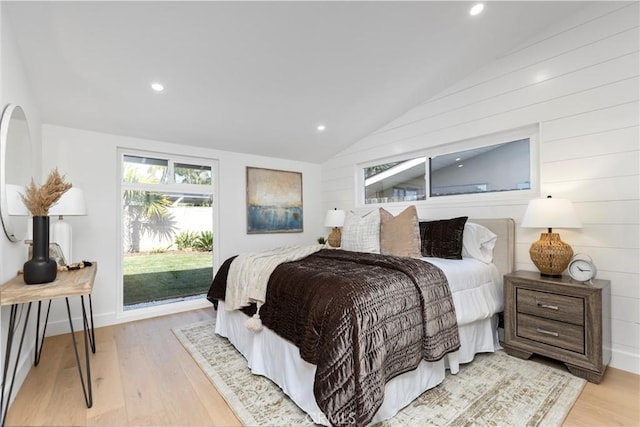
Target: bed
(476, 292)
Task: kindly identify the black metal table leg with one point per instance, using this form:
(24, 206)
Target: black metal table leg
(4, 406)
(92, 333)
(36, 360)
(86, 387)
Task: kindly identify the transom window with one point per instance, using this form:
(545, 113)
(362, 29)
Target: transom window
(500, 167)
(493, 164)
(150, 170)
(396, 181)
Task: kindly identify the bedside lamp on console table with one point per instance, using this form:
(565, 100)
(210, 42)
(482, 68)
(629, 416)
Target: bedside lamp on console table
(335, 219)
(550, 254)
(71, 203)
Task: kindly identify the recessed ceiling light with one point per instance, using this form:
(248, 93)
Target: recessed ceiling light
(321, 128)
(458, 159)
(475, 10)
(157, 87)
(460, 165)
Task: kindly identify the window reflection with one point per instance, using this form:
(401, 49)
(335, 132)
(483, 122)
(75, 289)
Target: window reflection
(145, 170)
(192, 174)
(500, 167)
(395, 182)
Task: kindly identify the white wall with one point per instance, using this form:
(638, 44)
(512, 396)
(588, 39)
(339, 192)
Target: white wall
(579, 81)
(90, 161)
(15, 89)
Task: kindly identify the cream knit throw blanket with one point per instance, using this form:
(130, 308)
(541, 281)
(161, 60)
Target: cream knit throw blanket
(249, 275)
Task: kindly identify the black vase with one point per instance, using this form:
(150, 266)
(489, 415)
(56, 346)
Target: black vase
(40, 268)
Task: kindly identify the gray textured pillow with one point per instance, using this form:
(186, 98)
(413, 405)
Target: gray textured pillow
(400, 235)
(361, 233)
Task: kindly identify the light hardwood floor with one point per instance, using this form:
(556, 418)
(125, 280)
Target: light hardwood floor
(143, 376)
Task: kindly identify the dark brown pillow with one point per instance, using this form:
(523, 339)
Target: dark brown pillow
(443, 238)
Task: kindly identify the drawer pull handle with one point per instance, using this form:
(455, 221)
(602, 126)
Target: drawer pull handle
(544, 331)
(549, 306)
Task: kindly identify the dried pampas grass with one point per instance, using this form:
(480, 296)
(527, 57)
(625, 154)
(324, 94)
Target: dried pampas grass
(39, 200)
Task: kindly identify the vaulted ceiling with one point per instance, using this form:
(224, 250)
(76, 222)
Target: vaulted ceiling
(257, 77)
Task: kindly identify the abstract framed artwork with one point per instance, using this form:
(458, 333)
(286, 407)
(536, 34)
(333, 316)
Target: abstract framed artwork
(274, 201)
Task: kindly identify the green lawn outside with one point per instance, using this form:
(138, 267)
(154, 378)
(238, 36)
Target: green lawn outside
(154, 277)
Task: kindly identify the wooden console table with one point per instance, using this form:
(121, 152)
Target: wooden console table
(67, 284)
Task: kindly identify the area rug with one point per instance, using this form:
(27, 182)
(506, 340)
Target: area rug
(494, 390)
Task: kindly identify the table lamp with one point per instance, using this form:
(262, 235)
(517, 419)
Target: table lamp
(71, 203)
(550, 254)
(335, 219)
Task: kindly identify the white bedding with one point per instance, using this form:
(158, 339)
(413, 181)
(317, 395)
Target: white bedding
(476, 287)
(477, 296)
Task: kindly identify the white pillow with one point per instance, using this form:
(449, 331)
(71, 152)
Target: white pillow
(478, 242)
(361, 233)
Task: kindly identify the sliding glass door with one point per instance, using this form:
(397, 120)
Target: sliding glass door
(167, 229)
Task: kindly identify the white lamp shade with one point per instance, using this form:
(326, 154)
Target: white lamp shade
(334, 218)
(15, 205)
(71, 203)
(550, 213)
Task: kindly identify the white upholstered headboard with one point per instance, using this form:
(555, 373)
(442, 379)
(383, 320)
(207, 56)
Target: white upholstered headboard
(504, 251)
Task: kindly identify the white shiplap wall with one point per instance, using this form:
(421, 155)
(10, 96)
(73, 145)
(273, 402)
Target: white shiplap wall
(579, 81)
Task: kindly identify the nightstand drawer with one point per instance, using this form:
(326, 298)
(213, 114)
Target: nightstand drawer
(550, 306)
(557, 334)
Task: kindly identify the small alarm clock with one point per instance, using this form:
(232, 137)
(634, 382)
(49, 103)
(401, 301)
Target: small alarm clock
(581, 268)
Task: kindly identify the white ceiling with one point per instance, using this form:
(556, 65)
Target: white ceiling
(257, 77)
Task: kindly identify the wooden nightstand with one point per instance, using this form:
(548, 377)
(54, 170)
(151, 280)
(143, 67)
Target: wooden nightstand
(559, 318)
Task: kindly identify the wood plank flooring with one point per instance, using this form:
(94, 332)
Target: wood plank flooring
(143, 376)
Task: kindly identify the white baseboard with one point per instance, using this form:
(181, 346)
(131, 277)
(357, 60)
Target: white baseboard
(625, 361)
(61, 326)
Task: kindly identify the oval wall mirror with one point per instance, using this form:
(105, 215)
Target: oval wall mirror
(15, 171)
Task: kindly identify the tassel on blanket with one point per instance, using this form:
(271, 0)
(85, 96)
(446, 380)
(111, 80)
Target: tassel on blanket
(254, 323)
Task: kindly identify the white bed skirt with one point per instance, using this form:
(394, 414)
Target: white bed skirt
(279, 360)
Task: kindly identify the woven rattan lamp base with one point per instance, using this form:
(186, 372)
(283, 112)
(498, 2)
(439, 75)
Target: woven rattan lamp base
(550, 254)
(335, 237)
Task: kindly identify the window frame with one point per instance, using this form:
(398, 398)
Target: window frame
(213, 189)
(530, 132)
